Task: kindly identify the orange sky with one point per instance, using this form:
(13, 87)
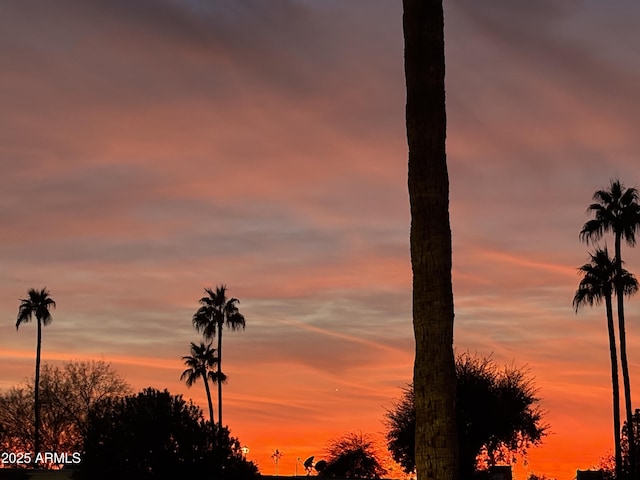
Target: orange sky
(152, 148)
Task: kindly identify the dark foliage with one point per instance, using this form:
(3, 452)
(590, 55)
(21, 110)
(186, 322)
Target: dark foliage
(66, 395)
(352, 456)
(320, 466)
(497, 414)
(535, 476)
(401, 434)
(155, 435)
(624, 442)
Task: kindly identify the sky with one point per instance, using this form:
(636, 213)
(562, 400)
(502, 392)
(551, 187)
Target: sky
(150, 149)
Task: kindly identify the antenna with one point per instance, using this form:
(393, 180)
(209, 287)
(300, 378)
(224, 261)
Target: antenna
(276, 455)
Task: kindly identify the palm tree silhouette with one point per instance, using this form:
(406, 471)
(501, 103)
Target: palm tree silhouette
(200, 363)
(616, 210)
(36, 305)
(434, 373)
(215, 312)
(597, 284)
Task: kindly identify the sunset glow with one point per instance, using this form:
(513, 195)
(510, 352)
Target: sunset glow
(153, 148)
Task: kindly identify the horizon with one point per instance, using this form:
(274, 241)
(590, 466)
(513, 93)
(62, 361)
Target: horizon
(155, 149)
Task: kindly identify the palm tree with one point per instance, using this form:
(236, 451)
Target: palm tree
(215, 312)
(200, 363)
(616, 210)
(597, 284)
(430, 239)
(36, 305)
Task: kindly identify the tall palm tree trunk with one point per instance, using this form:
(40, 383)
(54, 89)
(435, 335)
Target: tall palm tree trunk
(615, 383)
(220, 375)
(36, 405)
(206, 388)
(623, 358)
(430, 238)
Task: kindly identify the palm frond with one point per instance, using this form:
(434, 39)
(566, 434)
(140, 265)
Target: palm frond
(215, 311)
(190, 376)
(616, 210)
(629, 196)
(629, 283)
(38, 305)
(200, 362)
(236, 321)
(217, 377)
(597, 281)
(592, 231)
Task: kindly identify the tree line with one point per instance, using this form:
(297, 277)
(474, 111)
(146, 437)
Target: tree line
(498, 418)
(87, 407)
(67, 393)
(93, 423)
